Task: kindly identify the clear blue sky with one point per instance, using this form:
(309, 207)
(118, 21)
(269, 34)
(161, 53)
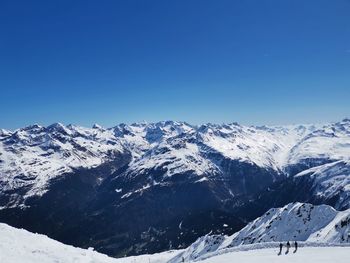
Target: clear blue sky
(254, 62)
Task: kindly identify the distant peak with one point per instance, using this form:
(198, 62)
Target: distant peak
(97, 126)
(4, 132)
(59, 127)
(56, 125)
(32, 127)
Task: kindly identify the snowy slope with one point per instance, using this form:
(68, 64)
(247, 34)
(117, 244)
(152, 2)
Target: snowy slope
(269, 255)
(18, 245)
(295, 221)
(331, 142)
(330, 181)
(180, 147)
(30, 157)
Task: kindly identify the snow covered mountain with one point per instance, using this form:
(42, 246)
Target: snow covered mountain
(30, 157)
(295, 221)
(330, 182)
(322, 184)
(69, 182)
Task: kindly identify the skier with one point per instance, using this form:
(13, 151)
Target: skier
(281, 246)
(288, 246)
(295, 246)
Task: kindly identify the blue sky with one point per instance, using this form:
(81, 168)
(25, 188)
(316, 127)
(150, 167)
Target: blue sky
(253, 61)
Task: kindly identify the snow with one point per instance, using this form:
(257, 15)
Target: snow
(337, 231)
(248, 144)
(308, 254)
(316, 225)
(18, 245)
(174, 160)
(163, 257)
(33, 155)
(30, 157)
(332, 141)
(330, 180)
(180, 147)
(295, 221)
(203, 179)
(269, 252)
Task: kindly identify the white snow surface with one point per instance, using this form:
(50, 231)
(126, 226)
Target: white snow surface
(294, 222)
(270, 255)
(330, 141)
(21, 246)
(30, 157)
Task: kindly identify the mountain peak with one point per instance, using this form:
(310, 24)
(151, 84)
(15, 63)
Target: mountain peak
(97, 126)
(58, 127)
(4, 132)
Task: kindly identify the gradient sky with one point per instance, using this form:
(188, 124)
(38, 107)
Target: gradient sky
(254, 62)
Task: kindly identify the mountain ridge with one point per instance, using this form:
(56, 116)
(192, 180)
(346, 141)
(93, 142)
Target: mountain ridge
(144, 180)
(154, 144)
(293, 222)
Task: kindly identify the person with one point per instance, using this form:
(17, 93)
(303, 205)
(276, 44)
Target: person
(281, 246)
(288, 246)
(295, 246)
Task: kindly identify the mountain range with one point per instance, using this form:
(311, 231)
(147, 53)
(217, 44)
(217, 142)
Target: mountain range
(149, 187)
